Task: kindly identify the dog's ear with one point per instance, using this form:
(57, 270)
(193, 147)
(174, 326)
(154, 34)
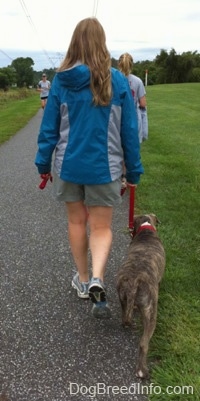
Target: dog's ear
(155, 219)
(136, 223)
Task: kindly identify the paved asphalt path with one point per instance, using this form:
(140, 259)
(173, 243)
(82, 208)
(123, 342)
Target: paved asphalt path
(48, 337)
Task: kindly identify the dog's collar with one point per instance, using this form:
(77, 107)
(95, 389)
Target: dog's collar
(145, 226)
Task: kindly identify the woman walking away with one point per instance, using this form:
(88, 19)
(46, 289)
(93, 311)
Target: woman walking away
(90, 122)
(138, 91)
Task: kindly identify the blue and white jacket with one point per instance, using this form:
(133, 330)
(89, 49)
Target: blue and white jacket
(90, 142)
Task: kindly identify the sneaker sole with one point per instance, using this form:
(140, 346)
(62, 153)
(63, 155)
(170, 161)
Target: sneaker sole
(80, 294)
(97, 294)
(101, 311)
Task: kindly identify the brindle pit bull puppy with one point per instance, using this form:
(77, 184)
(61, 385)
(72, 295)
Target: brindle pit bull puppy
(138, 282)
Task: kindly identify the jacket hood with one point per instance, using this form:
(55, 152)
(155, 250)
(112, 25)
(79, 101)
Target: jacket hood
(75, 78)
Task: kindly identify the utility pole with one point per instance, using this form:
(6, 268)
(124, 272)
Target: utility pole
(146, 77)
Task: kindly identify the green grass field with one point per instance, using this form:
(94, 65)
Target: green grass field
(170, 188)
(16, 108)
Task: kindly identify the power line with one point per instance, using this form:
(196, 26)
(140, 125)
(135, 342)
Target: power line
(6, 55)
(34, 29)
(95, 8)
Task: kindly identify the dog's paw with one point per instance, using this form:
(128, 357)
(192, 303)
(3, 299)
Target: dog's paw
(143, 373)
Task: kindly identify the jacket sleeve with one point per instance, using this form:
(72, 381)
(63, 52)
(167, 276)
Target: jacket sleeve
(49, 132)
(130, 138)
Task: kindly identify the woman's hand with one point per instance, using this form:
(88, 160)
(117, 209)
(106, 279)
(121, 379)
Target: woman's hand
(131, 185)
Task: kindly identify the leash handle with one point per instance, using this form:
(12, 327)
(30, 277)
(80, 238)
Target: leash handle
(131, 207)
(45, 178)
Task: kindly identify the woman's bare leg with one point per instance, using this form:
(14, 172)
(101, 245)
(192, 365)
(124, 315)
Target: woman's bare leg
(100, 220)
(77, 230)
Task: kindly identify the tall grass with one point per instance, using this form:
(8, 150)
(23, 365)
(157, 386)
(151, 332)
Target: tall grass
(170, 188)
(16, 108)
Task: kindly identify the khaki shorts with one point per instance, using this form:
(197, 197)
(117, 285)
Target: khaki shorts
(92, 195)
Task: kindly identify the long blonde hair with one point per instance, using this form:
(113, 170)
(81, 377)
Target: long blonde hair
(125, 64)
(88, 45)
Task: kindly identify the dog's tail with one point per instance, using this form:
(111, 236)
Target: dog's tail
(141, 291)
(131, 296)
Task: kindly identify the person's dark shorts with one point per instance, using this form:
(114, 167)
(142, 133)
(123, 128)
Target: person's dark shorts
(43, 98)
(92, 195)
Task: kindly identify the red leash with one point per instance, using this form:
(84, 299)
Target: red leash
(45, 178)
(131, 208)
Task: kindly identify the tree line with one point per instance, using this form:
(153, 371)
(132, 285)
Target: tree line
(166, 68)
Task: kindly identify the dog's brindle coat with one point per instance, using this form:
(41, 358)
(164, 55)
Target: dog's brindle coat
(138, 282)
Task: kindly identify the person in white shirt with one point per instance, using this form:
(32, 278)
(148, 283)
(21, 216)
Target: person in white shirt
(44, 87)
(125, 65)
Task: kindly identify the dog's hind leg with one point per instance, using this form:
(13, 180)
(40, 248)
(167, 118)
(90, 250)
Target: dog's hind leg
(149, 323)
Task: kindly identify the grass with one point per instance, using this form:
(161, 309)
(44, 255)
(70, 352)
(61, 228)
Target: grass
(16, 109)
(170, 188)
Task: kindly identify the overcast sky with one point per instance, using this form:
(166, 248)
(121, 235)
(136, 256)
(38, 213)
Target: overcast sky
(43, 30)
